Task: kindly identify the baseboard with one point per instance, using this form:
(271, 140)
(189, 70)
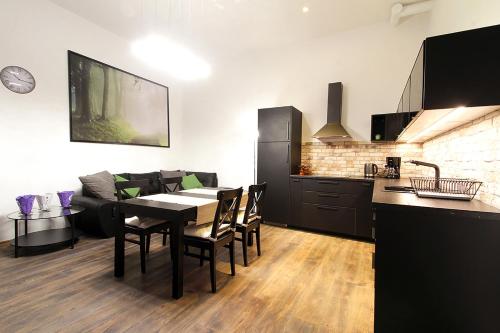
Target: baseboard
(275, 224)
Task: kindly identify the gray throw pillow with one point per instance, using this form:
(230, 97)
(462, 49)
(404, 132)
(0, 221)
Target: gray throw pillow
(101, 185)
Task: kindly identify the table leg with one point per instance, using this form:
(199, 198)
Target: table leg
(177, 234)
(72, 222)
(120, 246)
(15, 239)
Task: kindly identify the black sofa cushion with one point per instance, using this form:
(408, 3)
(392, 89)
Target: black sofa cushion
(153, 177)
(208, 179)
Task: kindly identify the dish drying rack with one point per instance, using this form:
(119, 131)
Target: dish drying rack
(445, 188)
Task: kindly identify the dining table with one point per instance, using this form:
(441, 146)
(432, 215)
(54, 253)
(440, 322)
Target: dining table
(176, 208)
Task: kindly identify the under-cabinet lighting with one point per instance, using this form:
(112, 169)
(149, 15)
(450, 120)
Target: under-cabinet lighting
(164, 54)
(448, 117)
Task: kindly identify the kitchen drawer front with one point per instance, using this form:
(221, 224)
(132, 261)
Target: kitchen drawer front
(337, 186)
(329, 198)
(329, 218)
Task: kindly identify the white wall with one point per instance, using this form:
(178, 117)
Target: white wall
(220, 115)
(457, 15)
(36, 154)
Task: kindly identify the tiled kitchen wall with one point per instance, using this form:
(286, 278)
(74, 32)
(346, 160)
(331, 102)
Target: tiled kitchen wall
(471, 151)
(348, 158)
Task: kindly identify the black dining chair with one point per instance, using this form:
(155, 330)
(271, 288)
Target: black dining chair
(250, 217)
(169, 185)
(140, 226)
(218, 234)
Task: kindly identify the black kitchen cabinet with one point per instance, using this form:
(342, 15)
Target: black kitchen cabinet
(436, 270)
(295, 202)
(387, 127)
(417, 83)
(462, 69)
(279, 153)
(332, 205)
(452, 70)
(279, 124)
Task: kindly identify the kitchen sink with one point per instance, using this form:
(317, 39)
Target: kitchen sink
(400, 189)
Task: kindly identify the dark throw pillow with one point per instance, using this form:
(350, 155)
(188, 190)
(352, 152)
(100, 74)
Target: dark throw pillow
(101, 185)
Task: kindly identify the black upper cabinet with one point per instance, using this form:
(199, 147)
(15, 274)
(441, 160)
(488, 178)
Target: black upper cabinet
(458, 69)
(462, 69)
(417, 83)
(387, 127)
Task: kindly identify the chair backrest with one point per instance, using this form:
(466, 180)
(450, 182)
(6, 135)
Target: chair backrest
(255, 202)
(142, 184)
(227, 211)
(171, 184)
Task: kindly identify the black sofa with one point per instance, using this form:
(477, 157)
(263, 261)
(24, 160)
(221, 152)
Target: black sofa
(100, 217)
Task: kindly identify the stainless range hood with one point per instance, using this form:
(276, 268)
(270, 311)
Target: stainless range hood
(333, 128)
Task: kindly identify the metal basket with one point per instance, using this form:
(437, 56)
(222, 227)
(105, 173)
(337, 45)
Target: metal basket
(445, 188)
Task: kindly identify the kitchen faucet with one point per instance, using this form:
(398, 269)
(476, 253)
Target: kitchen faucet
(431, 165)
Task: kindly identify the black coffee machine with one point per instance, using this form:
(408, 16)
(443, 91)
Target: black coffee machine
(392, 167)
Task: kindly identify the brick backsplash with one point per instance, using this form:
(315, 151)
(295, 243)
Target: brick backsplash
(348, 157)
(471, 151)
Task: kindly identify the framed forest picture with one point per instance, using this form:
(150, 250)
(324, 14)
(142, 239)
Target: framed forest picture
(110, 105)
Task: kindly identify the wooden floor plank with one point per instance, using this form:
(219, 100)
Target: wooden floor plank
(303, 282)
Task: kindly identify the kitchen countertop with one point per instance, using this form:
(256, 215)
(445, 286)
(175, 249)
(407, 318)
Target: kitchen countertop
(385, 198)
(349, 177)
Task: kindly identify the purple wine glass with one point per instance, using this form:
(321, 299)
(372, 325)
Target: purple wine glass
(65, 198)
(25, 203)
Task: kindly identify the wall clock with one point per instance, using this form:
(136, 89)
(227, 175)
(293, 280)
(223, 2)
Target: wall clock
(17, 79)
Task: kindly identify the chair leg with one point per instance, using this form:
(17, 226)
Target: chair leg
(202, 254)
(257, 239)
(212, 268)
(143, 252)
(164, 238)
(250, 239)
(231, 258)
(244, 238)
(148, 242)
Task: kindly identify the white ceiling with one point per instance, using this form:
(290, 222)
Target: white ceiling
(215, 28)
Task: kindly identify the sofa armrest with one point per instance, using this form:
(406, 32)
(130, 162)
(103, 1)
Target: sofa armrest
(100, 217)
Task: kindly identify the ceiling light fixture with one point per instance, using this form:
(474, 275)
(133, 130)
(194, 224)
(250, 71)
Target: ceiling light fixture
(448, 117)
(163, 54)
(305, 9)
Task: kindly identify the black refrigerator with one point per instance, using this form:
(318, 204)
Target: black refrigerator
(278, 157)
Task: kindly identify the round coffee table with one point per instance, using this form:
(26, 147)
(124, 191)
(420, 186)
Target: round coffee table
(45, 238)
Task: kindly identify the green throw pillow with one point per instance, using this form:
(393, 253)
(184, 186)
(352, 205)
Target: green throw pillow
(190, 182)
(129, 192)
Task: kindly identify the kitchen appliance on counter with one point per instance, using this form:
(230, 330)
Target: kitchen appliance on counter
(392, 167)
(371, 169)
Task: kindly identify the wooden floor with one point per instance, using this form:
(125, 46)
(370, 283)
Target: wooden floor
(303, 282)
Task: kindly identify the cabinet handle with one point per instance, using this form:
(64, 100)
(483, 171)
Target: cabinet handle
(328, 208)
(288, 154)
(288, 130)
(329, 195)
(328, 182)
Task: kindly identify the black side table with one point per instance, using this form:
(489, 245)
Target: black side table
(45, 238)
